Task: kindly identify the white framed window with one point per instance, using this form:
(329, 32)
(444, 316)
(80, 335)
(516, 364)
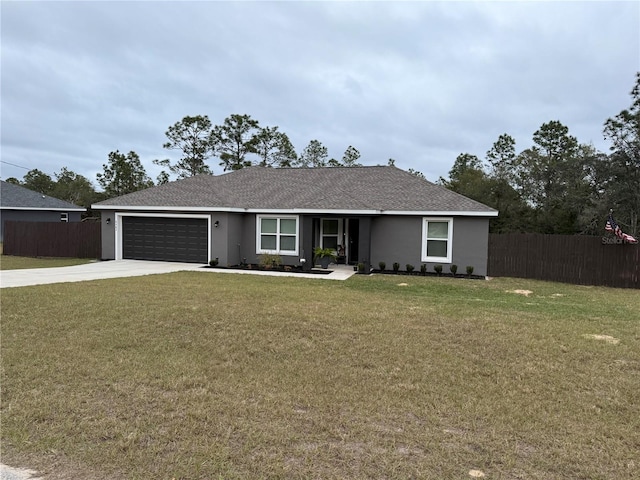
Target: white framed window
(64, 217)
(437, 239)
(277, 235)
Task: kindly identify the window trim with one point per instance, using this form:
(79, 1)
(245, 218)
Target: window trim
(277, 251)
(425, 229)
(339, 234)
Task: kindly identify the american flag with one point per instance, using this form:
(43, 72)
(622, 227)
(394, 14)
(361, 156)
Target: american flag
(612, 226)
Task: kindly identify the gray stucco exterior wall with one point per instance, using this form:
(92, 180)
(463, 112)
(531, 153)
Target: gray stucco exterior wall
(471, 244)
(364, 242)
(396, 239)
(399, 239)
(306, 242)
(225, 238)
(247, 239)
(108, 234)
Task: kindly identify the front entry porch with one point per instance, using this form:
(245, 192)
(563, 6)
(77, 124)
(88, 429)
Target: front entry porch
(348, 237)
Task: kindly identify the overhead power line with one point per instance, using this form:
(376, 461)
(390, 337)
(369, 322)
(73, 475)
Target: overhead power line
(14, 165)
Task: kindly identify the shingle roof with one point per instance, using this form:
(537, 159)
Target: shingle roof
(317, 189)
(17, 197)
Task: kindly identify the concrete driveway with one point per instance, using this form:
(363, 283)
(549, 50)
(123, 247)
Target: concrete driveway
(132, 268)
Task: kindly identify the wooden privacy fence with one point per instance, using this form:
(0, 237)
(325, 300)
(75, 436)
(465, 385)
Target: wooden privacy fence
(582, 260)
(52, 239)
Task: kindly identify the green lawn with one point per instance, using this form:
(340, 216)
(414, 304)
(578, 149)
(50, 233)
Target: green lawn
(10, 262)
(200, 375)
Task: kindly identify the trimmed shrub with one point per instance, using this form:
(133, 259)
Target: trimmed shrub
(409, 267)
(270, 260)
(382, 266)
(438, 269)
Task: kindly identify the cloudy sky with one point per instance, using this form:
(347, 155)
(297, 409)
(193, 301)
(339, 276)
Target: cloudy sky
(419, 82)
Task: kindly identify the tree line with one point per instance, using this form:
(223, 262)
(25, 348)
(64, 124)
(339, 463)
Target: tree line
(65, 185)
(240, 142)
(558, 186)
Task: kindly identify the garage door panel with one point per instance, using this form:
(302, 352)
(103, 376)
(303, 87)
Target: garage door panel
(166, 239)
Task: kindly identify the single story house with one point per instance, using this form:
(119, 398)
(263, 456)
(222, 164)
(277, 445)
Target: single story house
(21, 204)
(367, 214)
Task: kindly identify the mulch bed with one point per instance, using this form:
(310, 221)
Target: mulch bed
(285, 268)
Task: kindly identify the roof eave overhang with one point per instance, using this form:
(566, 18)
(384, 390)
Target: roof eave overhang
(44, 209)
(155, 208)
(300, 211)
(450, 213)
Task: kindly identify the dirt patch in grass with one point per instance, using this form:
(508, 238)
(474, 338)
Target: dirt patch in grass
(476, 474)
(526, 293)
(11, 473)
(604, 338)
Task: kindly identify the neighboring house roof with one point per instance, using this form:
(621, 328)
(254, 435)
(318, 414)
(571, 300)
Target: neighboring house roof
(365, 190)
(15, 197)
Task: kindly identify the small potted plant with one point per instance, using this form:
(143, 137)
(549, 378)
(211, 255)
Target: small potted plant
(324, 256)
